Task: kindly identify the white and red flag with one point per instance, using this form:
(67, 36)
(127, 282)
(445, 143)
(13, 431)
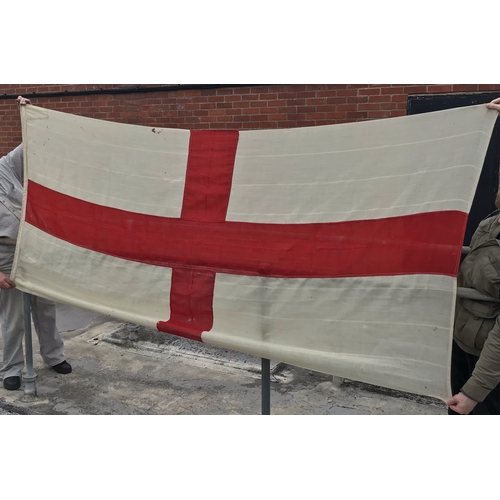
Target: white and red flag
(331, 248)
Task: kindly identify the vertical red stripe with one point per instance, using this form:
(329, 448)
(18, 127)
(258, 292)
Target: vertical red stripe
(209, 175)
(191, 299)
(207, 190)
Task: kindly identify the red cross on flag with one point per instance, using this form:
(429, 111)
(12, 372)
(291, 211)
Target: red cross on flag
(331, 248)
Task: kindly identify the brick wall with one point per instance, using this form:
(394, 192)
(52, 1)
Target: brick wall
(227, 107)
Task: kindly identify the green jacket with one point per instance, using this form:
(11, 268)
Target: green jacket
(477, 323)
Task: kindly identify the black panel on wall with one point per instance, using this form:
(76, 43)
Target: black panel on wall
(483, 203)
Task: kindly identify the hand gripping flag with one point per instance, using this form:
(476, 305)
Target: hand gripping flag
(331, 248)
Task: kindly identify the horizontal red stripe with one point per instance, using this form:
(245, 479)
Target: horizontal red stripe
(428, 243)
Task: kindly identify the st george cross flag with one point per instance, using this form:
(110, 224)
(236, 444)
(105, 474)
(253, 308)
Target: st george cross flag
(332, 248)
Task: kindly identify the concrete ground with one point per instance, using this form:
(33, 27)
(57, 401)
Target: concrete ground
(119, 371)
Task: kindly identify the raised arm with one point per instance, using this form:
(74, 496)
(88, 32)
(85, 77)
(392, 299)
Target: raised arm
(22, 101)
(495, 104)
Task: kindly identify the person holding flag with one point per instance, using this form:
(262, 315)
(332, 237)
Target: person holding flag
(11, 299)
(495, 104)
(475, 365)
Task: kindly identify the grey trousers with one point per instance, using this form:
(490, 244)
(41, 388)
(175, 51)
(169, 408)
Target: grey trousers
(12, 323)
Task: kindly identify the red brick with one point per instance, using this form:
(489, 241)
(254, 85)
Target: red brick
(327, 93)
(224, 118)
(369, 91)
(315, 116)
(391, 90)
(325, 108)
(288, 95)
(334, 116)
(415, 89)
(266, 110)
(347, 107)
(399, 98)
(336, 100)
(379, 98)
(487, 88)
(315, 87)
(439, 88)
(242, 90)
(223, 91)
(316, 101)
(306, 109)
(465, 88)
(268, 96)
(306, 95)
(224, 105)
(398, 112)
(358, 114)
(348, 92)
(286, 124)
(379, 114)
(277, 117)
(200, 99)
(368, 106)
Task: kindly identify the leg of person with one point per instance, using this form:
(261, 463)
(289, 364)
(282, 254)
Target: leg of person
(51, 345)
(460, 371)
(12, 321)
(462, 367)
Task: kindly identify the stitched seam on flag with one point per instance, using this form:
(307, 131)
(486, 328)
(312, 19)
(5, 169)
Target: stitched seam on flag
(366, 179)
(391, 146)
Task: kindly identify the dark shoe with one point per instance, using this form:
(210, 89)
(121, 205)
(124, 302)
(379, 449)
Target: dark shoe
(12, 383)
(63, 368)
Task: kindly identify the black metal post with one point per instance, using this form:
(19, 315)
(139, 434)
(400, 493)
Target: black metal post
(266, 387)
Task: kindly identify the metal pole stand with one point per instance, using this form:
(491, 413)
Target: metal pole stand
(266, 387)
(133, 331)
(30, 378)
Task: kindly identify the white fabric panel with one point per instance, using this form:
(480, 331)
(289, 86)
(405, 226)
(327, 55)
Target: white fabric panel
(365, 329)
(376, 169)
(139, 169)
(130, 291)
